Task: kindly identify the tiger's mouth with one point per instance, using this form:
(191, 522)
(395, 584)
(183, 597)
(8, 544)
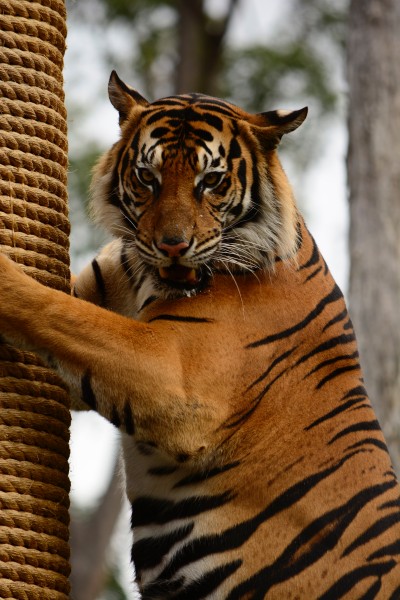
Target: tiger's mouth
(180, 275)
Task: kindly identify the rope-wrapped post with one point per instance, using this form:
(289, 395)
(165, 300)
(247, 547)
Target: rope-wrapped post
(34, 228)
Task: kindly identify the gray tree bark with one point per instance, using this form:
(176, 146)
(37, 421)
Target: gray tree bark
(374, 186)
(90, 540)
(200, 46)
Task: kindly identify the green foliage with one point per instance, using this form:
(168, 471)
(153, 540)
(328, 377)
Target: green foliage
(295, 61)
(323, 19)
(259, 77)
(134, 9)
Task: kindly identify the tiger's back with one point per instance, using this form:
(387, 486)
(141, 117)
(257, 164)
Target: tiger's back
(211, 333)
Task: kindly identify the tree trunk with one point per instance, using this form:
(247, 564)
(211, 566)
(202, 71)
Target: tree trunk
(200, 46)
(90, 540)
(374, 183)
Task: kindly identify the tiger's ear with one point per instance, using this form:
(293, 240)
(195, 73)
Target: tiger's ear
(123, 97)
(279, 122)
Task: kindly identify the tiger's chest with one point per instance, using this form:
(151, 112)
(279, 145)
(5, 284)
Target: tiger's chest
(168, 515)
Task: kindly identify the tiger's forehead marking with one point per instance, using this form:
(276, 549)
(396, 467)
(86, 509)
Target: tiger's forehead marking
(192, 126)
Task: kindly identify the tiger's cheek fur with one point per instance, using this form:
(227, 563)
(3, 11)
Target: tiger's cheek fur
(288, 213)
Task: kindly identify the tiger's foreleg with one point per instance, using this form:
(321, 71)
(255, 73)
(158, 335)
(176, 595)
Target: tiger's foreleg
(126, 370)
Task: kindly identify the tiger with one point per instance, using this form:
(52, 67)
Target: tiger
(211, 333)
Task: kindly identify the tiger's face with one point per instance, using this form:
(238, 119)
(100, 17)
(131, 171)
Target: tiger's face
(194, 185)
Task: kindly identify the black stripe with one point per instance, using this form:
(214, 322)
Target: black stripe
(207, 583)
(336, 373)
(115, 419)
(161, 471)
(242, 177)
(148, 301)
(202, 135)
(340, 340)
(391, 503)
(235, 151)
(334, 413)
(199, 588)
(313, 274)
(242, 417)
(354, 577)
(128, 419)
(112, 190)
(99, 282)
(275, 362)
(130, 272)
(331, 361)
(165, 590)
(356, 391)
(363, 426)
(255, 210)
(372, 591)
(147, 510)
(200, 477)
(187, 113)
(235, 536)
(149, 552)
(334, 296)
(145, 448)
(218, 107)
(181, 319)
(372, 441)
(318, 538)
(88, 395)
(168, 101)
(293, 494)
(315, 256)
(125, 163)
(377, 529)
(392, 549)
(136, 139)
(396, 594)
(342, 315)
(160, 132)
(210, 544)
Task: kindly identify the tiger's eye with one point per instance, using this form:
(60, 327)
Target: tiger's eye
(146, 176)
(212, 179)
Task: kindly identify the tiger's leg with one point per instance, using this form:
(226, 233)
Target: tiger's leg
(98, 352)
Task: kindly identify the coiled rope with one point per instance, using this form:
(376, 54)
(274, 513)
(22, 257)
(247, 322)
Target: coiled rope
(34, 228)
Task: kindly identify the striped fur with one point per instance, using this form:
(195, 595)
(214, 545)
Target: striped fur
(255, 465)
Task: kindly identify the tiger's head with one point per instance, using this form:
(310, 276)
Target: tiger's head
(194, 186)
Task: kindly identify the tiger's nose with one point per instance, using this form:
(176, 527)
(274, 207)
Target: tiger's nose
(173, 247)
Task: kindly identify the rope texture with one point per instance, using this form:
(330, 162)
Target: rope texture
(34, 229)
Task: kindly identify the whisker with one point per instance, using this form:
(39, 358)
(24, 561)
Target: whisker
(237, 287)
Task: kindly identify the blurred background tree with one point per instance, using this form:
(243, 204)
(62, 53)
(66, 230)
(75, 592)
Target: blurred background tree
(374, 185)
(163, 47)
